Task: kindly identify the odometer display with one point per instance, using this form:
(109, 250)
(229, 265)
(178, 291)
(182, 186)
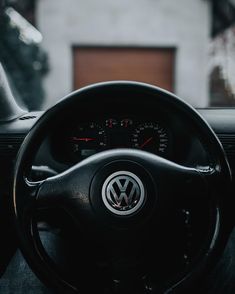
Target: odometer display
(150, 137)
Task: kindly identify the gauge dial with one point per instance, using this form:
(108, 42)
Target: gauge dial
(86, 140)
(150, 137)
(111, 123)
(126, 123)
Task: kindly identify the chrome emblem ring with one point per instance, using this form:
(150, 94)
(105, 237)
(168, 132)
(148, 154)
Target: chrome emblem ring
(123, 193)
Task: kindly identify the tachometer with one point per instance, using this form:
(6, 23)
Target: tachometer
(151, 137)
(86, 140)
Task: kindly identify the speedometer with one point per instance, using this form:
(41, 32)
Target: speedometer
(151, 137)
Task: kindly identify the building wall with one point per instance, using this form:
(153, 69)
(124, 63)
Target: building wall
(222, 61)
(223, 55)
(183, 24)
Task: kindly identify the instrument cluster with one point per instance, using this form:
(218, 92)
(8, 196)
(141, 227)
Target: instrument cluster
(85, 139)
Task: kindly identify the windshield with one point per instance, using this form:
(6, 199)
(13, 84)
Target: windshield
(50, 48)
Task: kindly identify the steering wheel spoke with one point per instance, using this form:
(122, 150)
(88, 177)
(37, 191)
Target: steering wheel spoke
(191, 184)
(50, 192)
(69, 191)
(177, 182)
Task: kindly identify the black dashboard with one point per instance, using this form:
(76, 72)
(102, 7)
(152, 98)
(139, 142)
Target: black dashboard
(74, 140)
(78, 141)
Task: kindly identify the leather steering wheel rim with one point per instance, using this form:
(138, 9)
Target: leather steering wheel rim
(25, 195)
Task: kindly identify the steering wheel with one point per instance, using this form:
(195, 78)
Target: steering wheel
(124, 201)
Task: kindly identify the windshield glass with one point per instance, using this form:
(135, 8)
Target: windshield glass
(50, 48)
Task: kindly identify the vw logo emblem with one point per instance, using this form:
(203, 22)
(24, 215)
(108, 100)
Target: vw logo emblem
(123, 193)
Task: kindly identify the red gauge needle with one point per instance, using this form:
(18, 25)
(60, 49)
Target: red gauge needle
(146, 142)
(82, 139)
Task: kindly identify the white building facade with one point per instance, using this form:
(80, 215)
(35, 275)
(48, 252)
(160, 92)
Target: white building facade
(182, 24)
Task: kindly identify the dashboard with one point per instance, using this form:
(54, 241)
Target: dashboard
(85, 139)
(160, 133)
(74, 141)
(89, 138)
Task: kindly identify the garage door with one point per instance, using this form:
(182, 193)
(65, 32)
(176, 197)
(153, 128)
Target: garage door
(154, 66)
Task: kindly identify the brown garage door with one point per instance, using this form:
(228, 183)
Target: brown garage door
(154, 66)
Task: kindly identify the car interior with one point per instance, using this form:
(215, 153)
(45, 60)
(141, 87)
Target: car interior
(118, 187)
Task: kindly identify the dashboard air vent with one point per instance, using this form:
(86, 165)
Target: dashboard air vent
(10, 144)
(27, 117)
(228, 142)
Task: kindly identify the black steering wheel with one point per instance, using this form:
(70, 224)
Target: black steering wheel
(125, 201)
